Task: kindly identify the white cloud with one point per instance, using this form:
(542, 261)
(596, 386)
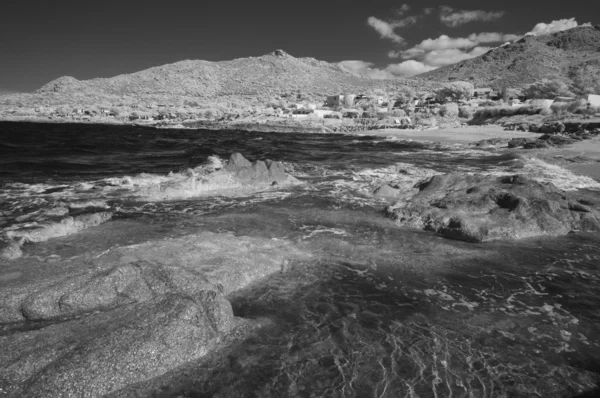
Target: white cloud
(451, 17)
(404, 8)
(554, 26)
(404, 69)
(406, 21)
(492, 37)
(385, 29)
(444, 42)
(428, 11)
(409, 68)
(366, 69)
(452, 55)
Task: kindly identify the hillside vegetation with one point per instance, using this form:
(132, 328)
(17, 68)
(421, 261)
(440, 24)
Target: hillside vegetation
(566, 55)
(254, 80)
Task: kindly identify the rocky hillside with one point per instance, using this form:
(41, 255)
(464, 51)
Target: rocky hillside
(258, 78)
(559, 55)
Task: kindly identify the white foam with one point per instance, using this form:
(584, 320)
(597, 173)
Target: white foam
(35, 232)
(541, 171)
(564, 179)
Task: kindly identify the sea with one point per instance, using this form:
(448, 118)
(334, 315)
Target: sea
(378, 311)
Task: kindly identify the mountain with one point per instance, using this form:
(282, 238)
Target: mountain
(254, 80)
(561, 55)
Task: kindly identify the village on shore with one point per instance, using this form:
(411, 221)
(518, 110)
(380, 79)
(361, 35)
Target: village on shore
(453, 105)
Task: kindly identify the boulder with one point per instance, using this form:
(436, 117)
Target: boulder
(537, 144)
(522, 127)
(386, 191)
(556, 139)
(572, 127)
(479, 208)
(551, 128)
(237, 161)
(534, 128)
(518, 142)
(266, 172)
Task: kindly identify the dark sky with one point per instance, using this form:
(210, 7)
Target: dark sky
(42, 40)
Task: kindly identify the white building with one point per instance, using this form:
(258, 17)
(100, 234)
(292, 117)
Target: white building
(593, 99)
(322, 112)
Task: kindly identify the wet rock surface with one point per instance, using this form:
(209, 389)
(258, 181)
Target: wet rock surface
(386, 191)
(258, 173)
(93, 325)
(106, 351)
(238, 176)
(478, 208)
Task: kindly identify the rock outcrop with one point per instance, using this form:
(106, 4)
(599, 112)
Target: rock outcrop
(93, 325)
(386, 191)
(238, 176)
(479, 208)
(258, 173)
(109, 350)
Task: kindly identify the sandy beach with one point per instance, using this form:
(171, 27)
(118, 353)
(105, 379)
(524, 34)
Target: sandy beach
(582, 158)
(454, 135)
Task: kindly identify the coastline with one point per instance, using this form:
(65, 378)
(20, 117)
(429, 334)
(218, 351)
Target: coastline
(582, 157)
(240, 272)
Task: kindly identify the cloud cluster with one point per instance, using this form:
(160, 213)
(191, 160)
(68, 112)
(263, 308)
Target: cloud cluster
(453, 18)
(366, 69)
(554, 26)
(392, 71)
(437, 58)
(433, 53)
(409, 68)
(492, 37)
(446, 50)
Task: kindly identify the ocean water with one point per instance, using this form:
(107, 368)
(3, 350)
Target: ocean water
(378, 311)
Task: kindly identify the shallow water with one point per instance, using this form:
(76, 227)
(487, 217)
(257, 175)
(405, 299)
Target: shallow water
(379, 311)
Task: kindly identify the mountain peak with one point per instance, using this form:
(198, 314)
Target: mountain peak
(280, 53)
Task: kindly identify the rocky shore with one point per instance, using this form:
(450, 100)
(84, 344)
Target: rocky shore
(479, 208)
(99, 323)
(93, 324)
(554, 134)
(96, 325)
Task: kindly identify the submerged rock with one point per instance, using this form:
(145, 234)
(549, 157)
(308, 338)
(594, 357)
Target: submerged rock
(479, 208)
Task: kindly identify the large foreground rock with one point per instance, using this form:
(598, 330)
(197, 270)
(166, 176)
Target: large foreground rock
(90, 325)
(480, 208)
(101, 353)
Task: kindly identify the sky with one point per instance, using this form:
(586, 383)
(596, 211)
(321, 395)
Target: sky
(43, 40)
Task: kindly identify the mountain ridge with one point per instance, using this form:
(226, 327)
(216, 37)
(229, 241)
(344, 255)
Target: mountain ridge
(260, 77)
(561, 55)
